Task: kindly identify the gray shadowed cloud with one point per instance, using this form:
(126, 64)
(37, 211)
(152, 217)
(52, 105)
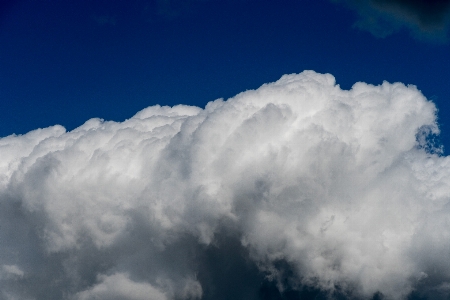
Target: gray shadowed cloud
(427, 20)
(298, 189)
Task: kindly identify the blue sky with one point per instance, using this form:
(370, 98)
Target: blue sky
(66, 62)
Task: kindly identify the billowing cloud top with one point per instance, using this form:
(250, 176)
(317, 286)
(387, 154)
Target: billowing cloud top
(337, 185)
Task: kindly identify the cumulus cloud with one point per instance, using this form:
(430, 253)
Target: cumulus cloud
(426, 19)
(298, 185)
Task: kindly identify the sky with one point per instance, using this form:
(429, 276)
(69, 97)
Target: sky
(64, 63)
(224, 149)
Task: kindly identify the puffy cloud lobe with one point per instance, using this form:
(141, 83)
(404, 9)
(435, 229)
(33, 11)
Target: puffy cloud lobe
(426, 19)
(9, 271)
(333, 183)
(119, 286)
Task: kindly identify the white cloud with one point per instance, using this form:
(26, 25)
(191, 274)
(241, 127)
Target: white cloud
(332, 182)
(119, 286)
(11, 271)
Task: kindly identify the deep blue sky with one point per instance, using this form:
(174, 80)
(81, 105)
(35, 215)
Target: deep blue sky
(63, 62)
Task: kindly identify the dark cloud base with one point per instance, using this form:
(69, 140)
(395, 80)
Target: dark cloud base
(224, 268)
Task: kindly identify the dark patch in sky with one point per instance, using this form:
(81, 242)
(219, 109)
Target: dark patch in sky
(427, 20)
(427, 13)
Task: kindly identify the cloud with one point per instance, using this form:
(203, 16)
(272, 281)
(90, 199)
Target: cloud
(9, 271)
(119, 286)
(427, 20)
(296, 187)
